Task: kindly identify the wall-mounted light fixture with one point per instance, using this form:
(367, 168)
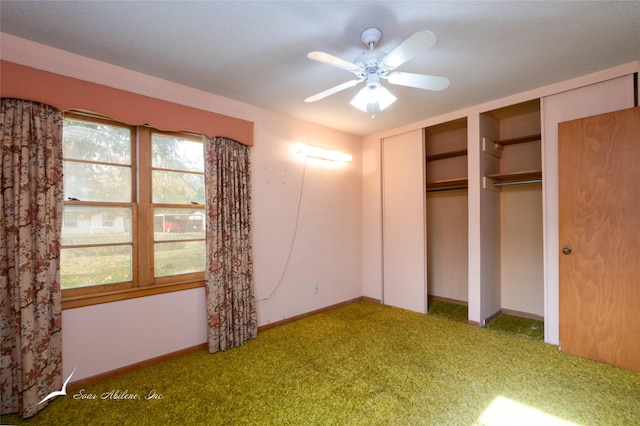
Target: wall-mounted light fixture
(323, 154)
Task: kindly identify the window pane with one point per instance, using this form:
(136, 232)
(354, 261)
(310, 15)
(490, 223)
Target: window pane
(96, 182)
(177, 154)
(179, 258)
(178, 224)
(96, 142)
(177, 188)
(80, 267)
(96, 225)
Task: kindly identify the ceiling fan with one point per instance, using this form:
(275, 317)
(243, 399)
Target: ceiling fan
(374, 65)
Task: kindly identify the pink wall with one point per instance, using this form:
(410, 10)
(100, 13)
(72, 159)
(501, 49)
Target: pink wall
(66, 93)
(326, 251)
(101, 338)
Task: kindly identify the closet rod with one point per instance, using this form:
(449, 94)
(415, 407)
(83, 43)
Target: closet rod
(518, 182)
(453, 188)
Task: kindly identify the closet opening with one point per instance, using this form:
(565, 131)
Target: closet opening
(447, 219)
(513, 291)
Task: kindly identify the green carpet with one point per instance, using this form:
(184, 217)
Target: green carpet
(452, 311)
(523, 327)
(526, 327)
(365, 364)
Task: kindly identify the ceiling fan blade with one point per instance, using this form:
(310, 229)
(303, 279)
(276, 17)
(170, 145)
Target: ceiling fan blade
(333, 90)
(409, 48)
(333, 60)
(421, 81)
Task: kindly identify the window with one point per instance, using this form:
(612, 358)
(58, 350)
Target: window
(178, 196)
(107, 220)
(70, 220)
(134, 219)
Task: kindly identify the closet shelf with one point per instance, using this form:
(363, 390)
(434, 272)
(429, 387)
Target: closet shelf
(450, 154)
(447, 184)
(530, 175)
(521, 139)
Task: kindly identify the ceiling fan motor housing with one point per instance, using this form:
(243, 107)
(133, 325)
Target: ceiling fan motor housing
(370, 62)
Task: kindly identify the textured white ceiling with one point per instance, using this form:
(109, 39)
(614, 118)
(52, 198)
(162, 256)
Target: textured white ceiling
(255, 51)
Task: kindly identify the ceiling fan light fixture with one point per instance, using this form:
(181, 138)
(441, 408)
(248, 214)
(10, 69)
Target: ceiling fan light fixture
(373, 65)
(373, 98)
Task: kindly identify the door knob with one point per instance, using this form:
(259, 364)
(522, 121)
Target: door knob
(566, 250)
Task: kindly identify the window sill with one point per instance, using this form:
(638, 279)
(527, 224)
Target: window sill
(131, 293)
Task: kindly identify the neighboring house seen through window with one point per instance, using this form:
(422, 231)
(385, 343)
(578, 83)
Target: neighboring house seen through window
(134, 219)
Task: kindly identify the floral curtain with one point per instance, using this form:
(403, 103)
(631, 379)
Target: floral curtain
(30, 225)
(231, 309)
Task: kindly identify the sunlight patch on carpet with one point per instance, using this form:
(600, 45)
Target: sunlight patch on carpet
(507, 412)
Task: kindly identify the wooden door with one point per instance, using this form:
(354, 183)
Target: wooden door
(599, 236)
(403, 222)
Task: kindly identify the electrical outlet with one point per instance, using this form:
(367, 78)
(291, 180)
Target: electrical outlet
(316, 289)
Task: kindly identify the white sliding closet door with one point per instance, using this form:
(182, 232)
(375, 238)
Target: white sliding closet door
(403, 222)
